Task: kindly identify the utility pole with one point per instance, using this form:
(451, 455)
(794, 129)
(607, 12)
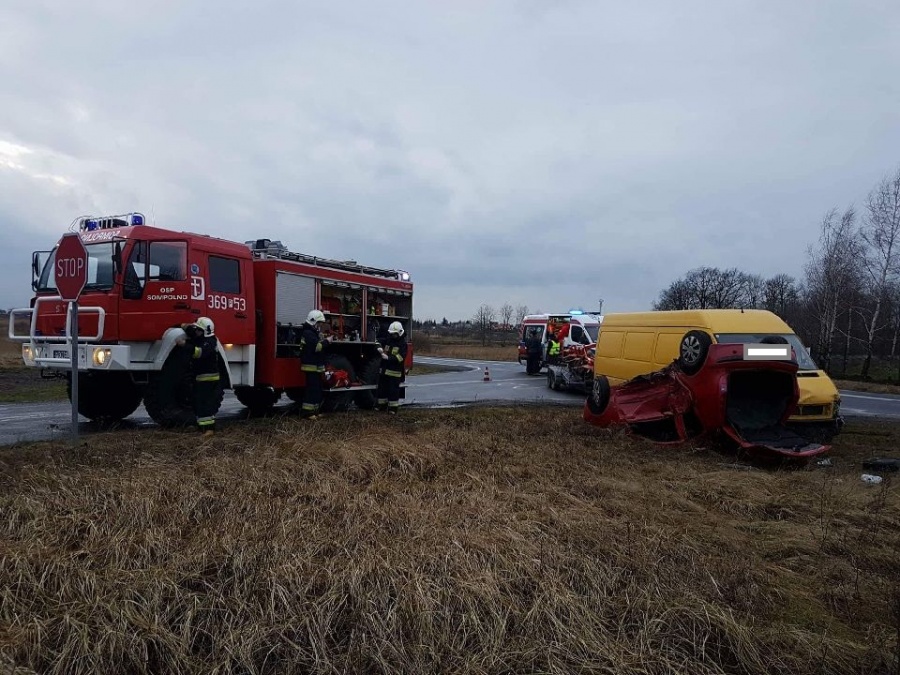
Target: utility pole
(600, 310)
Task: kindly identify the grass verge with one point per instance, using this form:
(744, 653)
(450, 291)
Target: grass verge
(481, 540)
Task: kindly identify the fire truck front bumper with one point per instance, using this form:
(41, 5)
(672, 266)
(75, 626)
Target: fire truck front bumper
(90, 356)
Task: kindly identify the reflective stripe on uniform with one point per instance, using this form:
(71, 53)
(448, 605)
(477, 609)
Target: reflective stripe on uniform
(393, 373)
(394, 404)
(206, 421)
(309, 406)
(318, 346)
(208, 377)
(309, 369)
(198, 352)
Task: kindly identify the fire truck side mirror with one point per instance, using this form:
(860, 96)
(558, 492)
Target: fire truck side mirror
(38, 258)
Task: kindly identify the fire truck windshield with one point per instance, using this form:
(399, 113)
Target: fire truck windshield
(101, 269)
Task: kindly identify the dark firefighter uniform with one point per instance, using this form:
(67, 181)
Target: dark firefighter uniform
(391, 373)
(203, 351)
(312, 363)
(533, 352)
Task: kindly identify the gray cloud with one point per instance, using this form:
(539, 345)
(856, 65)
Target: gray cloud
(538, 154)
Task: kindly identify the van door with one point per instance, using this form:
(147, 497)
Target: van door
(155, 290)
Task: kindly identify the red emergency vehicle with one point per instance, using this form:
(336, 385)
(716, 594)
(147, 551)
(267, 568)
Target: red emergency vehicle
(574, 327)
(145, 281)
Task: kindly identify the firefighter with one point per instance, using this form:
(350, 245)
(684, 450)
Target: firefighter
(533, 351)
(393, 364)
(200, 339)
(312, 363)
(552, 348)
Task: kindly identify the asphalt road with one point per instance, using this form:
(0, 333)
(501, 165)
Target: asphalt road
(463, 387)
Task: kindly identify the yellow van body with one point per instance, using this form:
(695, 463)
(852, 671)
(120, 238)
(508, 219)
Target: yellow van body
(636, 343)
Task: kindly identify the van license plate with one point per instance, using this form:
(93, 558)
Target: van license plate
(60, 353)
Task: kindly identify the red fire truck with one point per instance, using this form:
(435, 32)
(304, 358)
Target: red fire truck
(144, 282)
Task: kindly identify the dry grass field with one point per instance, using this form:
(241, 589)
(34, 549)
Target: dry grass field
(516, 540)
(464, 348)
(19, 384)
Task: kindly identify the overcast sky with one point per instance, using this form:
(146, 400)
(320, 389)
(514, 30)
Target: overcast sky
(546, 153)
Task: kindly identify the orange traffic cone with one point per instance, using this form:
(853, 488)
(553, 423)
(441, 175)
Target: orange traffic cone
(487, 374)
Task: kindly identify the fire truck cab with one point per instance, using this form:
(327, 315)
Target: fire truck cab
(143, 282)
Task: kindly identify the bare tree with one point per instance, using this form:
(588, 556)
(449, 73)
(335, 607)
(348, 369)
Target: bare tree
(832, 269)
(754, 290)
(483, 321)
(881, 234)
(782, 296)
(521, 312)
(506, 315)
(712, 288)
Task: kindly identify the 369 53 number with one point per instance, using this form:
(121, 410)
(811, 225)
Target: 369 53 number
(225, 302)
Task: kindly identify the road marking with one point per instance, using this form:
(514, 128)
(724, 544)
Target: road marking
(457, 382)
(869, 397)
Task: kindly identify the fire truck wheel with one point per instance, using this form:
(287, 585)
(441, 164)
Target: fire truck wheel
(257, 399)
(599, 396)
(693, 350)
(167, 396)
(295, 394)
(105, 397)
(366, 399)
(339, 401)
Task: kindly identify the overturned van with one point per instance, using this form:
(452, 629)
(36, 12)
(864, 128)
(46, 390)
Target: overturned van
(632, 344)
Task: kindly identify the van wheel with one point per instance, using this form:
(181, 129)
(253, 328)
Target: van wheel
(693, 350)
(598, 399)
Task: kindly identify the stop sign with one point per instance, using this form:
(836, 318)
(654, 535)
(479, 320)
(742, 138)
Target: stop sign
(71, 267)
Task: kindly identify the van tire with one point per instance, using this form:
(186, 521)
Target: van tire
(693, 350)
(598, 399)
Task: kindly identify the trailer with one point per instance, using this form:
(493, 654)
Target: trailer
(572, 369)
(144, 282)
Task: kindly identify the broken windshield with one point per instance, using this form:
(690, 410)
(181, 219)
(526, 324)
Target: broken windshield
(100, 272)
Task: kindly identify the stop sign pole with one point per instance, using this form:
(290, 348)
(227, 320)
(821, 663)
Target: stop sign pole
(71, 276)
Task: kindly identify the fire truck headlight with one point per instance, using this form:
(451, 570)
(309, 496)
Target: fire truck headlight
(27, 353)
(101, 356)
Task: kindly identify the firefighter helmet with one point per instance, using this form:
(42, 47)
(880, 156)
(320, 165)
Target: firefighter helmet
(314, 317)
(205, 324)
(396, 328)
